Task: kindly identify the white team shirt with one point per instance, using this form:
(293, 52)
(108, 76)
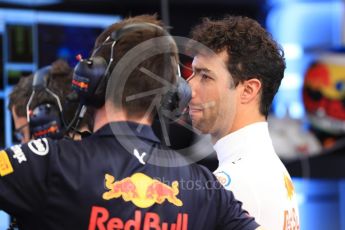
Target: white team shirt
(250, 168)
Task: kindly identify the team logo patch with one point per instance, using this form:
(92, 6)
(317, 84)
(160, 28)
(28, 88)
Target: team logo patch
(142, 190)
(18, 153)
(5, 164)
(223, 178)
(39, 146)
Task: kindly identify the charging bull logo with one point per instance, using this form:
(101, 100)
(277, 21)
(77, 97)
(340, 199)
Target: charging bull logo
(142, 190)
(324, 95)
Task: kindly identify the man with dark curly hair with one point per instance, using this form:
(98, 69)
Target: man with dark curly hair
(237, 70)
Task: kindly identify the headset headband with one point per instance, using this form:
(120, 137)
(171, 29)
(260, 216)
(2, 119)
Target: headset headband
(39, 83)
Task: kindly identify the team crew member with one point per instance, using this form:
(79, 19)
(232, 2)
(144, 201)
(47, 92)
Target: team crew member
(233, 86)
(46, 120)
(120, 177)
(45, 105)
(18, 100)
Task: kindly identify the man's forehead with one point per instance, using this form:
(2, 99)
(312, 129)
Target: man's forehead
(204, 59)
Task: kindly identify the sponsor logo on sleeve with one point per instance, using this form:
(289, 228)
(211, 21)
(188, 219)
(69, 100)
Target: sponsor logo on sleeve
(39, 146)
(18, 153)
(5, 164)
(223, 178)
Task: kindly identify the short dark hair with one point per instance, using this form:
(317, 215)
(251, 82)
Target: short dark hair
(137, 81)
(19, 96)
(252, 53)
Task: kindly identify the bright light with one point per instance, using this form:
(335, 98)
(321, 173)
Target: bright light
(292, 81)
(292, 51)
(29, 17)
(32, 2)
(280, 109)
(296, 110)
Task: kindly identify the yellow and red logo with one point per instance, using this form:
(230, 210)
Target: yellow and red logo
(142, 190)
(80, 84)
(5, 164)
(52, 129)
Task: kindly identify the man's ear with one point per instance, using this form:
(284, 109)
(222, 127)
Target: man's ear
(250, 90)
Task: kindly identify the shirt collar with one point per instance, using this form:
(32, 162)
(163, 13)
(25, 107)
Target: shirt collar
(127, 128)
(236, 144)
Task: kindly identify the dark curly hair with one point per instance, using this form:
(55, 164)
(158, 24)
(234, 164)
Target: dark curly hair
(251, 50)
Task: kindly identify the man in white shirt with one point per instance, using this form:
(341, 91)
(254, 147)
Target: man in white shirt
(233, 84)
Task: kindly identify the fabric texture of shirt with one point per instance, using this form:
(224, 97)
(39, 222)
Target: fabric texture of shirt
(118, 178)
(250, 168)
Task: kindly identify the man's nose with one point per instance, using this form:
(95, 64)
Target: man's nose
(192, 83)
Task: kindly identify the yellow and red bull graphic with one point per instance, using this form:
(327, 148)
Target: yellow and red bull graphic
(101, 220)
(141, 190)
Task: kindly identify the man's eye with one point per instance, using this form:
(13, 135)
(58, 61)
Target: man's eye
(205, 77)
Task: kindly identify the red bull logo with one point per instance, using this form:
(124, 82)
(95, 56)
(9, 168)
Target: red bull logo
(52, 129)
(81, 85)
(141, 190)
(100, 220)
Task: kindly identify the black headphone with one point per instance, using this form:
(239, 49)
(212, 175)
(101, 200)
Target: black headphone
(45, 120)
(91, 75)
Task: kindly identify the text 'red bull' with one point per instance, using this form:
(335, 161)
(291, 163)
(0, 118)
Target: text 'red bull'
(100, 220)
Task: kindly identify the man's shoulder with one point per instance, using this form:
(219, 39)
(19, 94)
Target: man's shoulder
(202, 172)
(20, 156)
(180, 161)
(40, 147)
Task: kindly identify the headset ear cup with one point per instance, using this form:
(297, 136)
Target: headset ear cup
(184, 93)
(175, 101)
(45, 121)
(89, 81)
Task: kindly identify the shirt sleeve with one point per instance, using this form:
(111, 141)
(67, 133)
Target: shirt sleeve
(23, 176)
(232, 215)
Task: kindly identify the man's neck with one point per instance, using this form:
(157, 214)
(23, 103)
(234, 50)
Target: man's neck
(239, 123)
(105, 115)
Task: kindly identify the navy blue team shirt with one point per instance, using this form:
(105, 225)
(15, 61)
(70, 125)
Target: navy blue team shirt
(118, 178)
